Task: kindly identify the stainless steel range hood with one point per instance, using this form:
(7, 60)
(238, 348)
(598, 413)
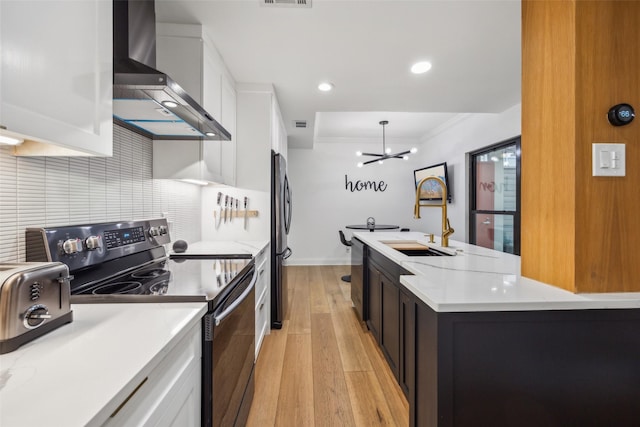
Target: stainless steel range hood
(145, 100)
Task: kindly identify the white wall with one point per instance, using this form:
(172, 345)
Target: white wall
(470, 133)
(52, 191)
(322, 206)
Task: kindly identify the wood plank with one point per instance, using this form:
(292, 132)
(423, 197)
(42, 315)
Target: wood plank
(300, 314)
(332, 288)
(295, 402)
(331, 396)
(345, 287)
(348, 335)
(369, 405)
(398, 404)
(268, 376)
(317, 295)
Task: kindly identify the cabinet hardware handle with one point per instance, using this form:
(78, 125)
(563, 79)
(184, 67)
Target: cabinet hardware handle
(135, 390)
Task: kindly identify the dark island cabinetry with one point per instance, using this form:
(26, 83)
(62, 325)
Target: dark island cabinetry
(505, 368)
(358, 277)
(385, 308)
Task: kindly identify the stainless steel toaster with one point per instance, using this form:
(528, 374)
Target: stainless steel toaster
(34, 299)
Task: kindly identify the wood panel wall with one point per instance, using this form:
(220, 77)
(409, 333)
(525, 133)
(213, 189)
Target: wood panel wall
(579, 232)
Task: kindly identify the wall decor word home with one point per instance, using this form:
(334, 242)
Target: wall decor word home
(364, 185)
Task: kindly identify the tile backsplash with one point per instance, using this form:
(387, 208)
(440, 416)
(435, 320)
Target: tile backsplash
(50, 191)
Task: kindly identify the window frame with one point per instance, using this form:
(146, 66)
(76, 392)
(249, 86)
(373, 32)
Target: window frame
(473, 212)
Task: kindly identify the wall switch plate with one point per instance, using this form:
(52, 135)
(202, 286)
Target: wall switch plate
(608, 160)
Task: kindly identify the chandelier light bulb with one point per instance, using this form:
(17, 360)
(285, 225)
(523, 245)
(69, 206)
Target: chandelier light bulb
(387, 152)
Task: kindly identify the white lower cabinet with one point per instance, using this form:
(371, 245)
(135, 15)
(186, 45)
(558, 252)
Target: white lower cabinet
(263, 297)
(170, 395)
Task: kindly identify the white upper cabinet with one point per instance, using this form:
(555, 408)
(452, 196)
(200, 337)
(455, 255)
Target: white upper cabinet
(186, 54)
(56, 76)
(260, 130)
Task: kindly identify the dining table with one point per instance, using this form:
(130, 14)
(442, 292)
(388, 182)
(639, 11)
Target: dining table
(372, 228)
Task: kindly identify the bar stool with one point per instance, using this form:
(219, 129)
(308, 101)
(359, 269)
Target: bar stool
(346, 243)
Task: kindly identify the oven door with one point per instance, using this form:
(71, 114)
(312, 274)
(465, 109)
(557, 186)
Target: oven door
(233, 349)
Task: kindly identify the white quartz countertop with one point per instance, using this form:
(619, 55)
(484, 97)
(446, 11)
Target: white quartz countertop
(252, 247)
(480, 279)
(75, 374)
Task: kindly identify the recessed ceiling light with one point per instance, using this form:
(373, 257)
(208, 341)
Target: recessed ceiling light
(421, 67)
(325, 86)
(170, 104)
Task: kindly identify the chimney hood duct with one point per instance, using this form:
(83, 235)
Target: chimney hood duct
(145, 100)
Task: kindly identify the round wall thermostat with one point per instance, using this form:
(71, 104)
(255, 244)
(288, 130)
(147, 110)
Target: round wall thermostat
(621, 114)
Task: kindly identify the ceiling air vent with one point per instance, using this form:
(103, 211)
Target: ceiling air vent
(286, 3)
(300, 124)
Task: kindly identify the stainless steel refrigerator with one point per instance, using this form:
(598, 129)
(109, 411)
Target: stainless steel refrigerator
(280, 224)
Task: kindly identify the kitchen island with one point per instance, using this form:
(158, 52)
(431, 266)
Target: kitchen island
(84, 372)
(472, 342)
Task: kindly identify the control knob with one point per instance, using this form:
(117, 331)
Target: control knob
(35, 316)
(92, 242)
(163, 230)
(154, 231)
(71, 246)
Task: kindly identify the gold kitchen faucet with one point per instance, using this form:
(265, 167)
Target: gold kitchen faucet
(446, 227)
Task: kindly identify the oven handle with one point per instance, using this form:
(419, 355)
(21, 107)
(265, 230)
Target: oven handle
(219, 318)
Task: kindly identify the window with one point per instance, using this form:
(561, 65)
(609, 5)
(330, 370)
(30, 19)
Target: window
(494, 216)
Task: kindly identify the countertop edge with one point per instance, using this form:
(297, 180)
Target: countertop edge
(509, 290)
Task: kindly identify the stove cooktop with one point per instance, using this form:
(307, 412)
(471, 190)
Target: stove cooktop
(167, 280)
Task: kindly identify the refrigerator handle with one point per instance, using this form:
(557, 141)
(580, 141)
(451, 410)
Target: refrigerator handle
(287, 205)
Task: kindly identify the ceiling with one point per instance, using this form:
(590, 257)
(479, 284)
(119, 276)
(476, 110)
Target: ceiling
(365, 48)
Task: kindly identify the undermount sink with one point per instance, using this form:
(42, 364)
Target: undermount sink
(414, 248)
(422, 252)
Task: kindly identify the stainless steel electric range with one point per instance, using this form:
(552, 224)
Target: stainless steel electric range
(126, 261)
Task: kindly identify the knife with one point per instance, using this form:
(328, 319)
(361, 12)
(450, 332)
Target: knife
(219, 203)
(230, 209)
(236, 207)
(246, 203)
(226, 206)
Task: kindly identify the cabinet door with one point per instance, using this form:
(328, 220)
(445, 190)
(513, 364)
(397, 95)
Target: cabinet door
(228, 117)
(170, 394)
(183, 54)
(375, 303)
(407, 344)
(390, 332)
(56, 74)
(423, 405)
(357, 278)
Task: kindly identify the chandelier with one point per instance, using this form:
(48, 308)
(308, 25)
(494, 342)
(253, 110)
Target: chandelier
(386, 152)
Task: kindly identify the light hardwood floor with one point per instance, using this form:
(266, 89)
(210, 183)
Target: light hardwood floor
(323, 368)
